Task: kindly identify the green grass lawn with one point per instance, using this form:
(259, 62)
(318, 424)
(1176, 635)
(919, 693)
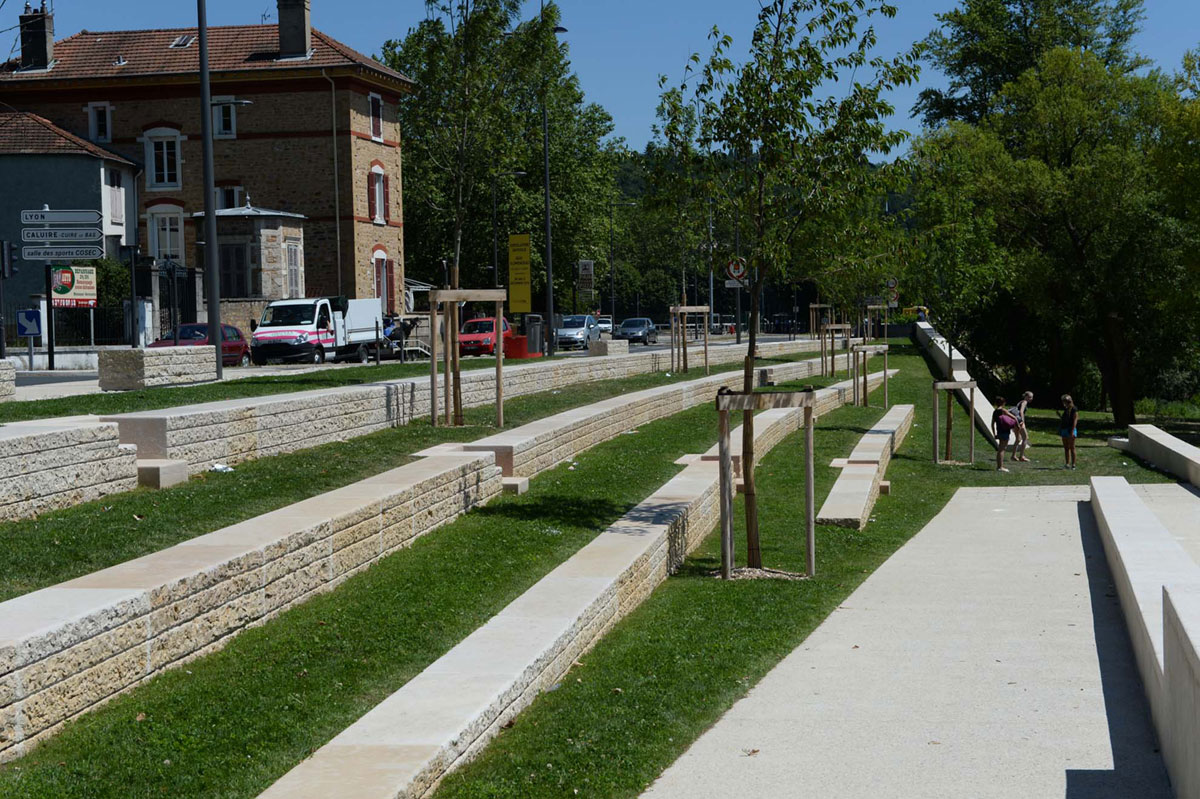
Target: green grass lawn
(231, 723)
(697, 644)
(72, 542)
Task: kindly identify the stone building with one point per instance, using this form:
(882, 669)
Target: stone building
(301, 122)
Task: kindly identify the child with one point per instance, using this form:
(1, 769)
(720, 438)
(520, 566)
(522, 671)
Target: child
(1068, 430)
(1022, 431)
(1003, 423)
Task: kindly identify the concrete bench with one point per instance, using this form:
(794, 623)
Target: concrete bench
(8, 381)
(131, 369)
(445, 715)
(57, 463)
(854, 493)
(1158, 584)
(1165, 451)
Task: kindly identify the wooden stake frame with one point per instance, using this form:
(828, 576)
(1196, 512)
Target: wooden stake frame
(727, 402)
(679, 315)
(949, 386)
(814, 318)
(861, 354)
(829, 332)
(451, 298)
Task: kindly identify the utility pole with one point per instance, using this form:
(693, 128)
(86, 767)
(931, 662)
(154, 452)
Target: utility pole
(211, 273)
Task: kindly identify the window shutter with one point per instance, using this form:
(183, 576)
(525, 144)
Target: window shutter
(390, 273)
(371, 210)
(387, 199)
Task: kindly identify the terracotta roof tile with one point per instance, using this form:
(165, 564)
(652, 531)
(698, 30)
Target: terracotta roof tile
(106, 54)
(23, 133)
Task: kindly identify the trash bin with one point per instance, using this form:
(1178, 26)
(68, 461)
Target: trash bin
(534, 333)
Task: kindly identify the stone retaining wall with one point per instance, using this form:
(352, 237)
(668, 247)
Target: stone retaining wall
(486, 680)
(1158, 584)
(8, 381)
(1165, 451)
(127, 370)
(57, 463)
(67, 648)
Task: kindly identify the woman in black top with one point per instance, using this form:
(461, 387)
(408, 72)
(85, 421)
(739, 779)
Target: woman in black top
(1068, 429)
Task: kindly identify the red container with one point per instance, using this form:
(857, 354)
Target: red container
(517, 348)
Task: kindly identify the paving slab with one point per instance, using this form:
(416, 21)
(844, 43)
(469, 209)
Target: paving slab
(987, 658)
(1177, 506)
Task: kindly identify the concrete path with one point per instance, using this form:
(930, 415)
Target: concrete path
(987, 658)
(1177, 506)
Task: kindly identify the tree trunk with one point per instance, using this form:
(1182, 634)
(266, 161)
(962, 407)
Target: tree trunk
(1120, 380)
(753, 550)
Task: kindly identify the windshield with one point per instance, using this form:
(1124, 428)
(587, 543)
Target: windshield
(288, 315)
(191, 332)
(634, 323)
(478, 326)
(573, 321)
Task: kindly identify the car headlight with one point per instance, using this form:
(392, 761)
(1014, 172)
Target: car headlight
(301, 338)
(578, 334)
(487, 341)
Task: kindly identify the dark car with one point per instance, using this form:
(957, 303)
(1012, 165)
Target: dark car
(236, 349)
(637, 329)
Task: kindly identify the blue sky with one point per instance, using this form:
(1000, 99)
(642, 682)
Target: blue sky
(618, 47)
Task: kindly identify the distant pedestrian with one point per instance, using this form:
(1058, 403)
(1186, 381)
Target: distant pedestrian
(1068, 430)
(1022, 431)
(1003, 423)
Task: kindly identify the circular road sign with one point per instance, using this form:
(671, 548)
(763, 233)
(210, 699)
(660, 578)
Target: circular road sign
(892, 282)
(736, 269)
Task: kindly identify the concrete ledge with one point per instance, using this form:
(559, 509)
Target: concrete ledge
(857, 488)
(446, 715)
(8, 381)
(608, 347)
(155, 473)
(127, 370)
(953, 366)
(1165, 451)
(515, 485)
(1158, 584)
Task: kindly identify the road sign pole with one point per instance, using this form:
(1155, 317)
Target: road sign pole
(48, 333)
(5, 268)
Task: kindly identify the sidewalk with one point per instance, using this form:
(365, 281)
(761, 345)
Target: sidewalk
(987, 658)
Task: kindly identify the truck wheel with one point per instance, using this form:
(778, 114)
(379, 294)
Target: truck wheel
(362, 356)
(318, 355)
(260, 361)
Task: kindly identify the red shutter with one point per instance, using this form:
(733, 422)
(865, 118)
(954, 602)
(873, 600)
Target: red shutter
(390, 273)
(387, 199)
(371, 195)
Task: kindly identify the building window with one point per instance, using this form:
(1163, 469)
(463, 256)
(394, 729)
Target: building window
(241, 275)
(164, 159)
(100, 122)
(376, 117)
(384, 269)
(378, 196)
(229, 197)
(294, 283)
(116, 195)
(224, 121)
(166, 236)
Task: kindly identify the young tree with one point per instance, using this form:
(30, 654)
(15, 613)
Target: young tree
(791, 142)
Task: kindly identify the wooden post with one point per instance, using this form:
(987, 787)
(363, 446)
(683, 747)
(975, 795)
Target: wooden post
(949, 423)
(810, 510)
(671, 319)
(683, 327)
(865, 380)
(447, 323)
(726, 495)
(971, 427)
(455, 360)
(936, 425)
(499, 364)
(854, 377)
(433, 355)
(886, 401)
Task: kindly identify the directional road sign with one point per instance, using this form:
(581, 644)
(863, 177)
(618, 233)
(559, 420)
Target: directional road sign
(734, 284)
(60, 217)
(61, 253)
(61, 234)
(29, 323)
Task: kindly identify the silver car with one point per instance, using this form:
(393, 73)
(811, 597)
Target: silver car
(577, 331)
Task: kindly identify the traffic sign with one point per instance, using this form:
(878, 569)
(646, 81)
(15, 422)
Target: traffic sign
(734, 284)
(29, 323)
(48, 217)
(61, 234)
(736, 269)
(894, 298)
(892, 282)
(61, 253)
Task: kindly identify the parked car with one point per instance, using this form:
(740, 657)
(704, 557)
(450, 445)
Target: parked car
(315, 329)
(606, 324)
(478, 336)
(235, 350)
(577, 332)
(637, 329)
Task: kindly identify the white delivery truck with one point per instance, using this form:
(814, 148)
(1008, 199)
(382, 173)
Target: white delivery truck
(313, 330)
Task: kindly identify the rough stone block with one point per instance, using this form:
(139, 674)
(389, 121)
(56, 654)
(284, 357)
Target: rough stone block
(128, 370)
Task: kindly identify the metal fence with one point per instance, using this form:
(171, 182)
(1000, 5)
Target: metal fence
(75, 327)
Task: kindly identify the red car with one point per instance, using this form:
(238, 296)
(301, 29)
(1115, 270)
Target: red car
(234, 344)
(478, 336)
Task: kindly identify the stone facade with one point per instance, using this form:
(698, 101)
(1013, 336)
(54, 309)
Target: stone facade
(57, 463)
(8, 381)
(127, 370)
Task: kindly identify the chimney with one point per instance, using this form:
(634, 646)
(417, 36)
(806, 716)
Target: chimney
(295, 28)
(37, 37)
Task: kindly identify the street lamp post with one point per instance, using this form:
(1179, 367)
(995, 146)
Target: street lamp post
(550, 341)
(612, 264)
(212, 277)
(495, 240)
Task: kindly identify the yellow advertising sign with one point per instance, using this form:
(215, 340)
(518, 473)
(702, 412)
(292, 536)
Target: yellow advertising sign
(519, 294)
